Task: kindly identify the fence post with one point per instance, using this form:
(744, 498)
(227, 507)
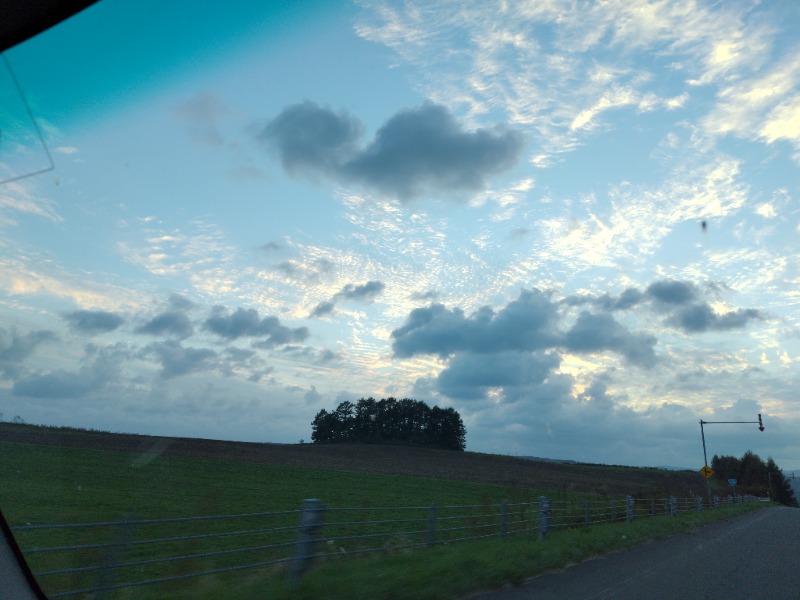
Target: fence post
(544, 516)
(716, 501)
(503, 518)
(698, 502)
(613, 511)
(630, 509)
(430, 540)
(310, 523)
(673, 506)
(586, 513)
(653, 506)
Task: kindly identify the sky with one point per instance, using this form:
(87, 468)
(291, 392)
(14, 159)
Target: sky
(576, 223)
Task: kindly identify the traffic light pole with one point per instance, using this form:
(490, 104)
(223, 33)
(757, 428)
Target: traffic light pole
(703, 437)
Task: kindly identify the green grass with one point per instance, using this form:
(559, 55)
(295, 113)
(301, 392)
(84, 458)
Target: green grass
(453, 571)
(48, 485)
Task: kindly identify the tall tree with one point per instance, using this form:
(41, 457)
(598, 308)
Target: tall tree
(754, 476)
(389, 420)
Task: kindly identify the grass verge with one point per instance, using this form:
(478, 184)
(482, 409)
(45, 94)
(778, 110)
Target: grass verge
(453, 571)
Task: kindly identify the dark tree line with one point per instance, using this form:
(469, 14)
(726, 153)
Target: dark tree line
(389, 420)
(754, 476)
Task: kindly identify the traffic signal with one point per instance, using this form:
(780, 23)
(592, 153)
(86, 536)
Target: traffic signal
(760, 424)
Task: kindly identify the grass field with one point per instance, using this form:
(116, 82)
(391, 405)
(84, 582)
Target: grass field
(66, 476)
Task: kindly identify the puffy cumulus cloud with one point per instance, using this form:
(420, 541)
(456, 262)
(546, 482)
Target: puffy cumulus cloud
(172, 322)
(509, 353)
(312, 140)
(177, 360)
(102, 369)
(93, 321)
(671, 292)
(681, 301)
(417, 151)
(701, 317)
(600, 332)
(527, 323)
(247, 323)
(470, 376)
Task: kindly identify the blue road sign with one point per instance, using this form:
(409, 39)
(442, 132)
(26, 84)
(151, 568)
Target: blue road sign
(732, 482)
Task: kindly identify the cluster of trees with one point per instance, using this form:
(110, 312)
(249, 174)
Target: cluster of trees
(754, 476)
(389, 420)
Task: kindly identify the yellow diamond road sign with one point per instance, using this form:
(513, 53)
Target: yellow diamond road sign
(706, 471)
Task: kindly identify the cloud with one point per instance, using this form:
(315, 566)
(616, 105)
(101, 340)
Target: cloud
(178, 302)
(312, 396)
(416, 152)
(362, 293)
(598, 332)
(176, 360)
(365, 293)
(312, 140)
(173, 322)
(528, 323)
(672, 292)
(15, 348)
(246, 323)
(627, 300)
(469, 376)
(701, 317)
(505, 354)
(322, 309)
(93, 321)
(202, 112)
(103, 370)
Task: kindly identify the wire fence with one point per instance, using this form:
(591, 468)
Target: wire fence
(95, 559)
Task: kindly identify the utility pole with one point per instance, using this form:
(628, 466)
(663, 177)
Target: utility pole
(706, 469)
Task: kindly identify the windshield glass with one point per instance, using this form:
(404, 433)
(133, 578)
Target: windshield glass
(577, 227)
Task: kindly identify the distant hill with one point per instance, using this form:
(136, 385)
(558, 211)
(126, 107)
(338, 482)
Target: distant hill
(526, 472)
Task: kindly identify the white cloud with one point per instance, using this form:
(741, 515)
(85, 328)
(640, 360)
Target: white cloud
(766, 210)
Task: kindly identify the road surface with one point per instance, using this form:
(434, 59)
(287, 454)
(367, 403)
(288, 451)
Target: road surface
(750, 557)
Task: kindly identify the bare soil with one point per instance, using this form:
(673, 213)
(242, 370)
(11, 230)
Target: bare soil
(387, 459)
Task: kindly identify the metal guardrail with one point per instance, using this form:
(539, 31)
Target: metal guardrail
(81, 559)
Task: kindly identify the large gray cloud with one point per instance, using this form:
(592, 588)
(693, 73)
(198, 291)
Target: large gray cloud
(177, 360)
(672, 292)
(247, 323)
(102, 369)
(528, 323)
(681, 301)
(597, 332)
(469, 376)
(93, 321)
(16, 347)
(701, 317)
(171, 322)
(416, 151)
(515, 349)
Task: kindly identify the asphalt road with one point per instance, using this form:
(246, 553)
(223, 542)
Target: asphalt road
(750, 557)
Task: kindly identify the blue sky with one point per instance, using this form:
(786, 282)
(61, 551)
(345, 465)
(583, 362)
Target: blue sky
(577, 226)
